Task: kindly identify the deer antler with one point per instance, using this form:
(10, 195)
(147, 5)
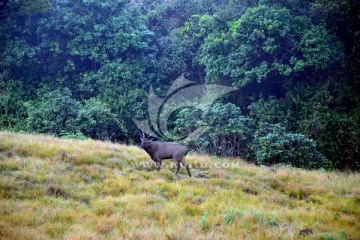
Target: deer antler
(143, 134)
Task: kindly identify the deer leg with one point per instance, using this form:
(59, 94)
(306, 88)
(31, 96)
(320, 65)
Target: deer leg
(177, 168)
(188, 170)
(184, 163)
(157, 164)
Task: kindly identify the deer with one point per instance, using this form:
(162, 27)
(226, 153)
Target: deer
(159, 151)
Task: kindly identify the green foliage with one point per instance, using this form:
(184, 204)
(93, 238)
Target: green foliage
(96, 121)
(12, 109)
(99, 53)
(325, 114)
(66, 135)
(266, 42)
(330, 115)
(273, 222)
(270, 111)
(273, 145)
(231, 217)
(327, 236)
(295, 64)
(203, 222)
(343, 234)
(57, 112)
(174, 58)
(316, 48)
(53, 112)
(31, 7)
(229, 132)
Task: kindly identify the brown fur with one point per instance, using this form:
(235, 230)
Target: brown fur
(165, 150)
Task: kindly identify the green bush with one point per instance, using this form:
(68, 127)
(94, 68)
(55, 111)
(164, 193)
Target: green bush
(53, 112)
(77, 135)
(12, 109)
(96, 120)
(327, 236)
(58, 113)
(273, 145)
(228, 133)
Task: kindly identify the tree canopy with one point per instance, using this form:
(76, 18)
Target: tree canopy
(86, 67)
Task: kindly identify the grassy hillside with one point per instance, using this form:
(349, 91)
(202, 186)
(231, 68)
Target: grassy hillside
(70, 189)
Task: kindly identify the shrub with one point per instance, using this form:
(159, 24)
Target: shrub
(77, 135)
(12, 109)
(96, 120)
(228, 133)
(273, 145)
(53, 112)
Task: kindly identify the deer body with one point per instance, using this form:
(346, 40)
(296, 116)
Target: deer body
(159, 151)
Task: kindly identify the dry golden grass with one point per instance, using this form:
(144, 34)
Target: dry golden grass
(69, 189)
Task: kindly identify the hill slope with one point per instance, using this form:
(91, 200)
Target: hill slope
(70, 189)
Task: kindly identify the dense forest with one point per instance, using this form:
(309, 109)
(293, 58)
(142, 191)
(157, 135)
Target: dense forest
(84, 68)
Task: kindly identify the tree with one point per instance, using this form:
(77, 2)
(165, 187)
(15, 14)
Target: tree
(267, 44)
